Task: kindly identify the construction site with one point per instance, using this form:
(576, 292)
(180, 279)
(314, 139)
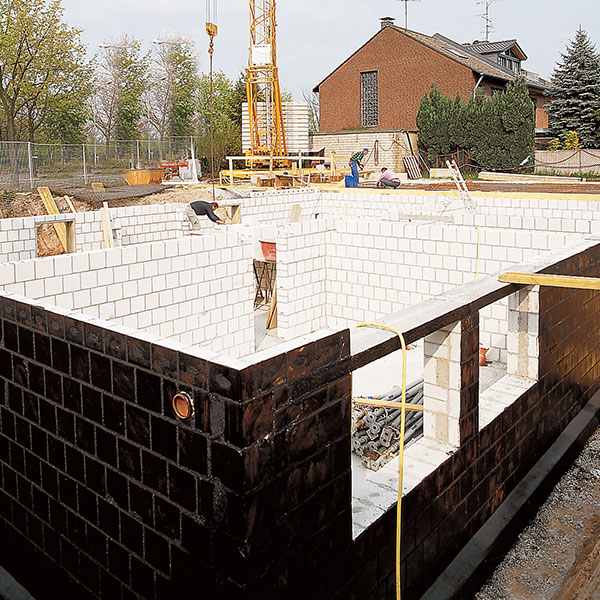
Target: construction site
(330, 393)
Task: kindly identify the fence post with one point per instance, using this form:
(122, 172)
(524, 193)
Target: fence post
(30, 157)
(85, 175)
(580, 169)
(137, 147)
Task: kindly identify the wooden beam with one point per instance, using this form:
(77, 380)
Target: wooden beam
(566, 281)
(107, 232)
(52, 209)
(387, 404)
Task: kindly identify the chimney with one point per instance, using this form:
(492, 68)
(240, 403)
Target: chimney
(387, 21)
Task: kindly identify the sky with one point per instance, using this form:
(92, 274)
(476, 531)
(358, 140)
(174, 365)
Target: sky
(316, 36)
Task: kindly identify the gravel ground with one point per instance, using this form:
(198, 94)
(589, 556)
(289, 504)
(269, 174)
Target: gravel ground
(557, 556)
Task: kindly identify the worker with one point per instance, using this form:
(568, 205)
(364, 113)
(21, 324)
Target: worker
(200, 208)
(355, 163)
(388, 178)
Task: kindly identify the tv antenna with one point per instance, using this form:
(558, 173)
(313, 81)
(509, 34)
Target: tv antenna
(406, 11)
(489, 25)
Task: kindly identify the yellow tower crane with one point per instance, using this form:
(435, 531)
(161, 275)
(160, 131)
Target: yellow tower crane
(267, 135)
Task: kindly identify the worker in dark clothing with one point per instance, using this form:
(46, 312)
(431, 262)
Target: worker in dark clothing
(199, 208)
(355, 163)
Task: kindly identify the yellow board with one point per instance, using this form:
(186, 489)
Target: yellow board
(107, 233)
(566, 281)
(52, 209)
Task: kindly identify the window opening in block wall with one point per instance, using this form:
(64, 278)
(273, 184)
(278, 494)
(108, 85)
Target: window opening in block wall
(48, 242)
(509, 351)
(376, 431)
(369, 99)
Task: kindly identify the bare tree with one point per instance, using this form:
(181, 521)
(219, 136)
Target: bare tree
(312, 99)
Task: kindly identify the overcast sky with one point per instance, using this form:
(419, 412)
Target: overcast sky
(315, 36)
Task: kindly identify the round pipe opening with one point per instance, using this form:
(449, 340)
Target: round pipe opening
(183, 406)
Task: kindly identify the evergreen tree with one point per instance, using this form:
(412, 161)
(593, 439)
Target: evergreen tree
(576, 89)
(459, 134)
(435, 116)
(503, 128)
(518, 125)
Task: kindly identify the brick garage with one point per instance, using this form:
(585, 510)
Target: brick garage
(407, 64)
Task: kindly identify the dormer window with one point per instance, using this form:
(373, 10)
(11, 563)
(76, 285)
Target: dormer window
(508, 60)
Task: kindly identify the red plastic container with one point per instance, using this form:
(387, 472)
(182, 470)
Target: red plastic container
(268, 250)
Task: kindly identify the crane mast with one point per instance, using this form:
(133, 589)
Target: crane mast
(267, 135)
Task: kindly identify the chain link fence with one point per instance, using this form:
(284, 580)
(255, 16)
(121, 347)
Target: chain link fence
(26, 165)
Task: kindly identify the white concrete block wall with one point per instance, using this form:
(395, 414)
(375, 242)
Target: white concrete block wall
(375, 268)
(137, 225)
(196, 290)
(17, 239)
(302, 278)
(273, 207)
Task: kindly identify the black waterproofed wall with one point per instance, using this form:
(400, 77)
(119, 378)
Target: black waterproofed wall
(103, 494)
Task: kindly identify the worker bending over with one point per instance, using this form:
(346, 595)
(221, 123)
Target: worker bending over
(388, 178)
(355, 163)
(199, 208)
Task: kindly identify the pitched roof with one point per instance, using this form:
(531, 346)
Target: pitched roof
(496, 47)
(462, 54)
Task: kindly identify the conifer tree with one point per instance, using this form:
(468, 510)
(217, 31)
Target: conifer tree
(503, 128)
(576, 92)
(433, 120)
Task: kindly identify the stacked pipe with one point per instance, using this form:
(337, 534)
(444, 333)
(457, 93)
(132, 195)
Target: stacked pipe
(376, 431)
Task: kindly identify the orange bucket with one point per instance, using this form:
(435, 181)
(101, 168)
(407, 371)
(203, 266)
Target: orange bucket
(268, 250)
(482, 359)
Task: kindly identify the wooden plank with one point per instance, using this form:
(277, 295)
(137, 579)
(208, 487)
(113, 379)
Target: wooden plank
(412, 167)
(70, 204)
(236, 214)
(566, 281)
(272, 316)
(70, 236)
(387, 404)
(52, 209)
(295, 213)
(107, 233)
(97, 186)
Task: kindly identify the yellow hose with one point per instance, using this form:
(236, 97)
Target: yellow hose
(401, 456)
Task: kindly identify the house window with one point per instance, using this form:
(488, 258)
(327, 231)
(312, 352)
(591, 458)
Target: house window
(369, 99)
(510, 63)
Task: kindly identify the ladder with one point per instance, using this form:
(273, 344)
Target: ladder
(461, 185)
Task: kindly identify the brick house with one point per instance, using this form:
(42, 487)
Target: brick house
(380, 86)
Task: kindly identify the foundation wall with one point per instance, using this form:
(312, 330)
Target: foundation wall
(119, 499)
(197, 291)
(109, 496)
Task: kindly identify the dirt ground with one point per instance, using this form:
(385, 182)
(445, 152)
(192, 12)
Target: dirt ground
(557, 556)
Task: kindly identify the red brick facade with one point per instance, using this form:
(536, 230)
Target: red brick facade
(406, 69)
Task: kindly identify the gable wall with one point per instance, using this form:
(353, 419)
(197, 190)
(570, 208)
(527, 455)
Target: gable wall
(406, 70)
